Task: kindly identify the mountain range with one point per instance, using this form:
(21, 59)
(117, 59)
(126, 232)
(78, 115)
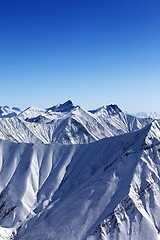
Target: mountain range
(154, 115)
(66, 123)
(71, 174)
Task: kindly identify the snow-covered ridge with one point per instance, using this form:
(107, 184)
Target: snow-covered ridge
(154, 115)
(65, 107)
(68, 124)
(6, 111)
(68, 173)
(108, 189)
(112, 109)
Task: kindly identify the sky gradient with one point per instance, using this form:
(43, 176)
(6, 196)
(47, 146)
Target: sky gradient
(92, 52)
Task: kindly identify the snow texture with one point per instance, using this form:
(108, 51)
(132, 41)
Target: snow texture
(101, 182)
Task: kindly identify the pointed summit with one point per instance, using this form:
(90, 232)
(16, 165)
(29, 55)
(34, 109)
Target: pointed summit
(112, 109)
(109, 110)
(153, 133)
(64, 107)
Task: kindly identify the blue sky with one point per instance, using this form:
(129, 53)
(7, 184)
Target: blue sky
(92, 52)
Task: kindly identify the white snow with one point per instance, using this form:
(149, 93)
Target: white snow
(154, 115)
(53, 187)
(71, 125)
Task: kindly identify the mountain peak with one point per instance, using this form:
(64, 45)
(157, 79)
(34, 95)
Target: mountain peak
(153, 135)
(6, 111)
(153, 115)
(64, 107)
(111, 110)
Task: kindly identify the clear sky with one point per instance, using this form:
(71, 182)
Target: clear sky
(94, 52)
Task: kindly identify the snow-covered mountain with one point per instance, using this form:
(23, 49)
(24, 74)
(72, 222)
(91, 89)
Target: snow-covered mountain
(109, 189)
(103, 186)
(154, 115)
(66, 124)
(8, 111)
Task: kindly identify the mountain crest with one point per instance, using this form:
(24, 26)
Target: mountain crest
(153, 135)
(113, 109)
(108, 110)
(64, 107)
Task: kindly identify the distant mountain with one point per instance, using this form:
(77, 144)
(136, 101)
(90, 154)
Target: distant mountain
(65, 107)
(154, 115)
(111, 110)
(66, 123)
(6, 111)
(31, 112)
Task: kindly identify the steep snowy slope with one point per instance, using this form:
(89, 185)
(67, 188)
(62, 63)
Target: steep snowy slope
(113, 117)
(67, 124)
(109, 189)
(14, 129)
(31, 112)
